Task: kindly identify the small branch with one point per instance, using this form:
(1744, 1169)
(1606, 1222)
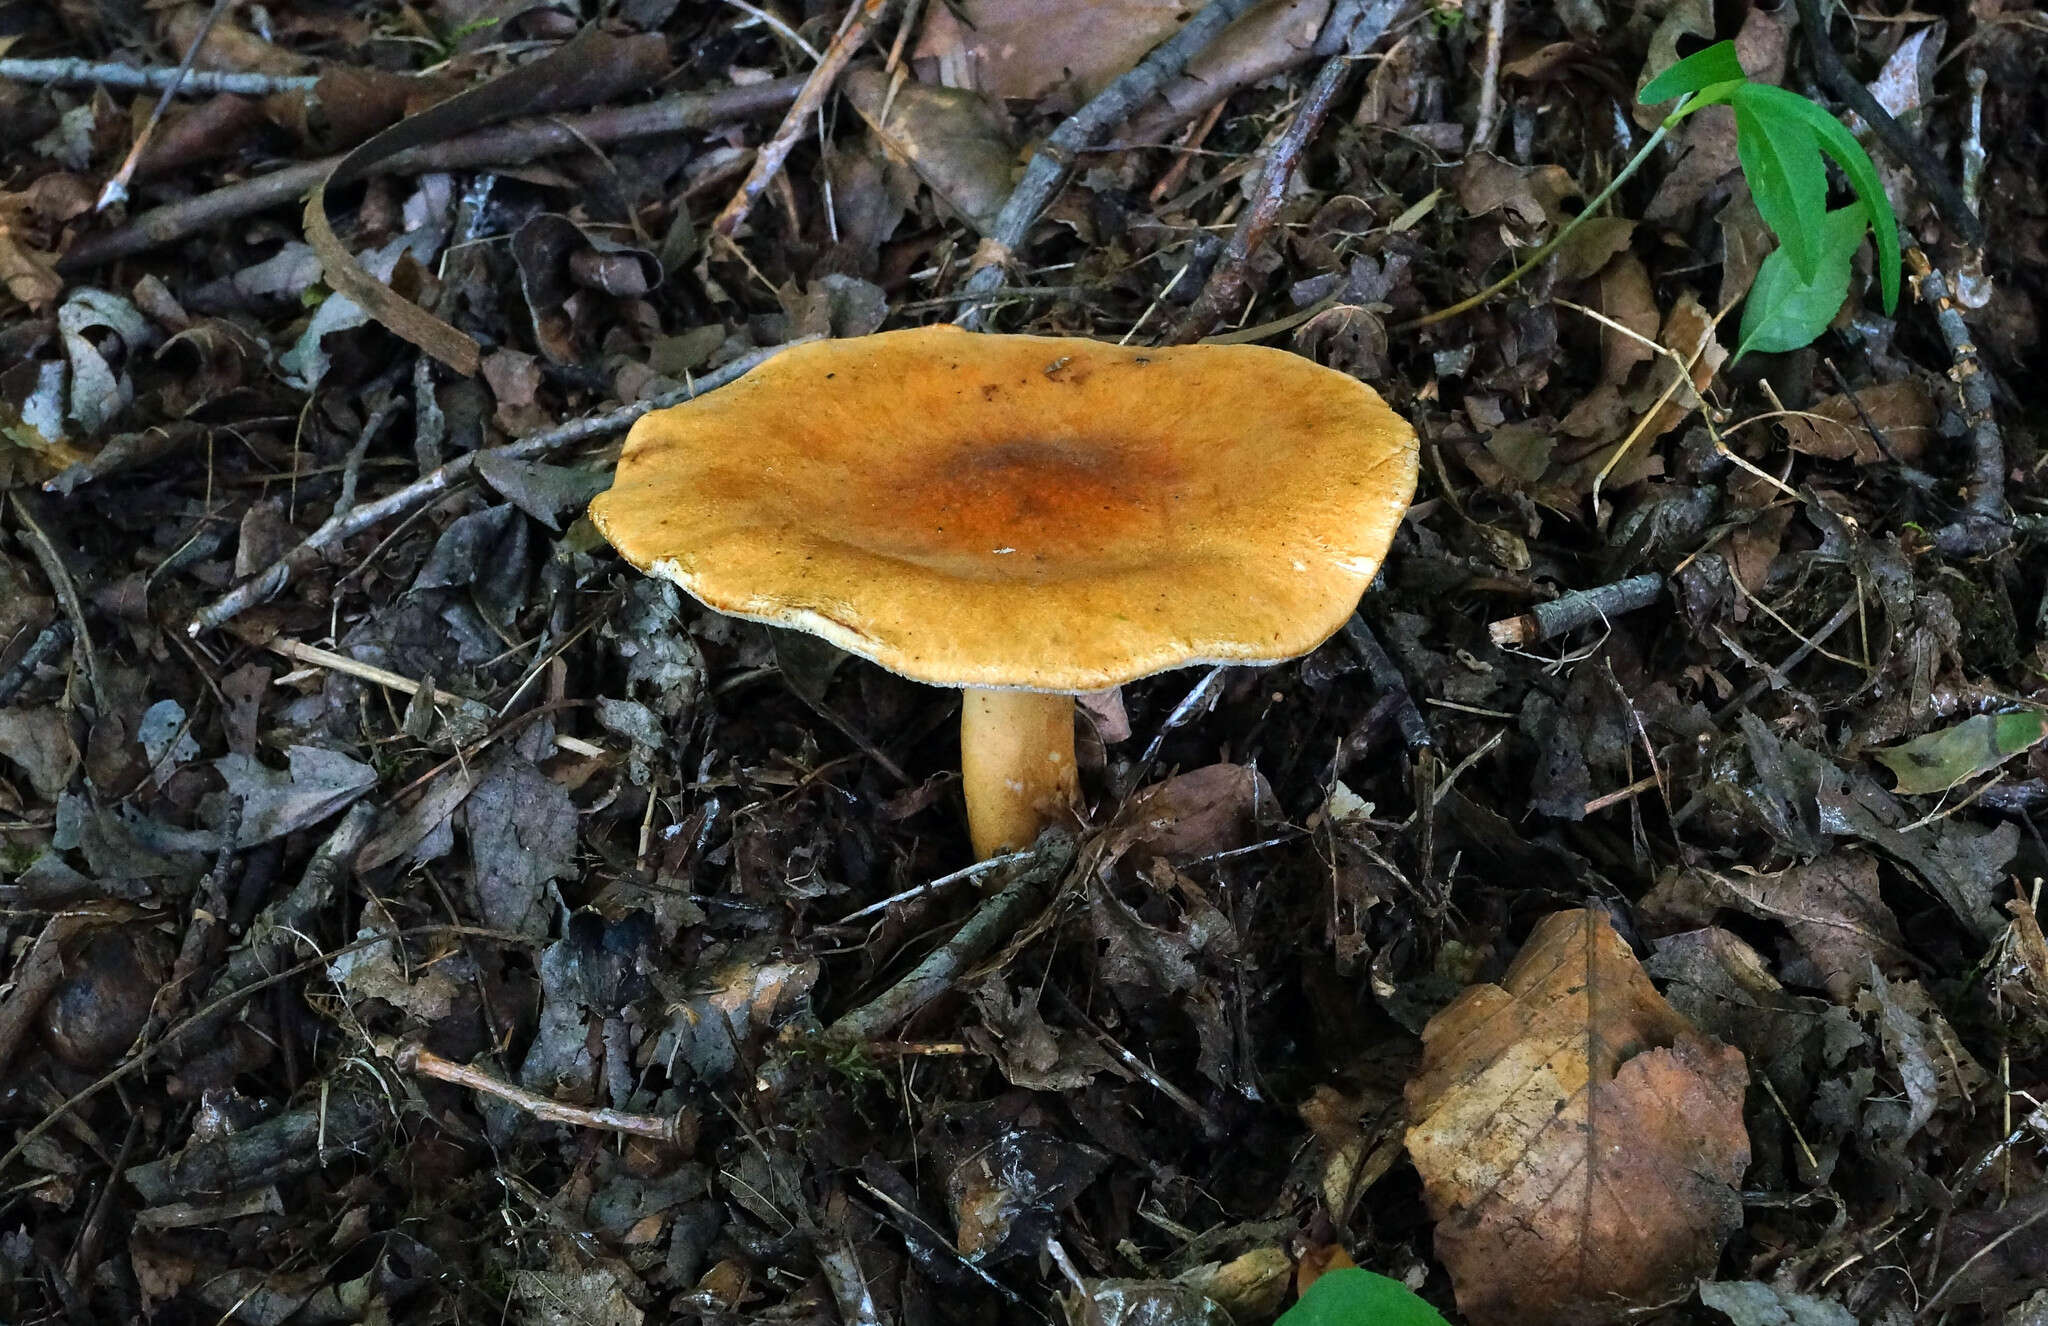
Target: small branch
(116, 190)
(54, 638)
(1225, 288)
(677, 1130)
(1488, 118)
(1984, 525)
(339, 529)
(279, 924)
(198, 952)
(1581, 607)
(1827, 62)
(993, 922)
(151, 78)
(270, 582)
(975, 871)
(32, 514)
(501, 145)
(796, 122)
(1054, 160)
(1386, 675)
(1974, 155)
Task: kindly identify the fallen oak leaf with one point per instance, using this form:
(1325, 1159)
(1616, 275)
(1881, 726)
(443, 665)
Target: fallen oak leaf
(1579, 1141)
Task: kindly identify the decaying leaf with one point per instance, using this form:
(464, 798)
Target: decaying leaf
(1901, 411)
(1832, 907)
(1940, 760)
(316, 784)
(957, 142)
(1579, 1142)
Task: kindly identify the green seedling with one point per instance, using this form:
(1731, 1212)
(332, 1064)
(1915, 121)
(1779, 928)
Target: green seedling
(1351, 1297)
(1784, 143)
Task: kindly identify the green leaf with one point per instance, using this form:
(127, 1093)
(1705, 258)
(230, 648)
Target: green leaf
(1781, 159)
(1785, 312)
(1351, 1297)
(1842, 147)
(1939, 760)
(1701, 69)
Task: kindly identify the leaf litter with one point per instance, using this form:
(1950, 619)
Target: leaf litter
(450, 878)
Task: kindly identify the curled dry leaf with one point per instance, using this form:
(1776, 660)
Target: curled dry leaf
(1579, 1141)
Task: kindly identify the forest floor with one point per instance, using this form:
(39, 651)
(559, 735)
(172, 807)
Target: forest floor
(409, 912)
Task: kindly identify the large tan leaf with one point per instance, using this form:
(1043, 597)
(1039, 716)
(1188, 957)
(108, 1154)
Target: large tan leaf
(1579, 1141)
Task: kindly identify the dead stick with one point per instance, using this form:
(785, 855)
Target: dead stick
(1581, 607)
(336, 531)
(151, 78)
(501, 145)
(116, 190)
(796, 121)
(1086, 127)
(424, 1062)
(54, 637)
(1488, 118)
(1224, 290)
(994, 921)
(1983, 525)
(1380, 666)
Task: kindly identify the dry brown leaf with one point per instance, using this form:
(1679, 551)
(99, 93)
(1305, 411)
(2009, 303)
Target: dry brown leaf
(1832, 908)
(29, 274)
(957, 142)
(1579, 1141)
(1622, 292)
(1689, 332)
(1831, 428)
(1532, 195)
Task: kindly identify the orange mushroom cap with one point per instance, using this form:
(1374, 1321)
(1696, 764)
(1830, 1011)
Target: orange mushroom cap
(1027, 512)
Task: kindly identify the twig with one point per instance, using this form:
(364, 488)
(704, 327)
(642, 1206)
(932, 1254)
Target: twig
(974, 871)
(1225, 287)
(993, 922)
(275, 927)
(116, 190)
(673, 1129)
(1973, 141)
(301, 652)
(1827, 62)
(33, 515)
(1086, 127)
(1581, 607)
(54, 637)
(337, 530)
(270, 582)
(151, 78)
(506, 144)
(1380, 666)
(1984, 525)
(1489, 80)
(196, 952)
(797, 120)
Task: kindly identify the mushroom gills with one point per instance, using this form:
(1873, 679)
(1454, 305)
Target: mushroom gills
(1016, 765)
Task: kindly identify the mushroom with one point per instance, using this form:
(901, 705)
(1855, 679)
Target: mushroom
(1026, 517)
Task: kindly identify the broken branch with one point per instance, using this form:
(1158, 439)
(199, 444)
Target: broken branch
(1086, 127)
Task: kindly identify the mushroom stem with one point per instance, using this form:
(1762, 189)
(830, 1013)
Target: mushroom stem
(1016, 764)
